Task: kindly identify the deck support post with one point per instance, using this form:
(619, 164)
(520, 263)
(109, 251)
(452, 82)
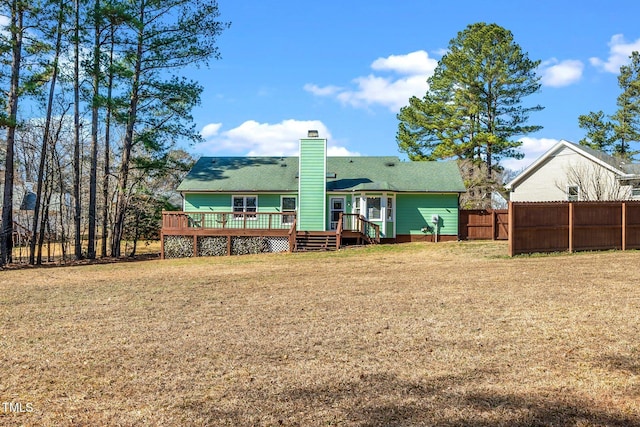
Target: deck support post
(161, 244)
(195, 245)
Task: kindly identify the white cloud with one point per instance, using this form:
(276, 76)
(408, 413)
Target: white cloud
(417, 62)
(441, 51)
(264, 139)
(210, 130)
(388, 92)
(563, 73)
(322, 91)
(532, 148)
(408, 78)
(336, 151)
(619, 52)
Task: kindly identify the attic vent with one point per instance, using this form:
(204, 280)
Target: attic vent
(390, 164)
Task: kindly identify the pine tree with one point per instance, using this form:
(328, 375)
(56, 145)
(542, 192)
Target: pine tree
(474, 107)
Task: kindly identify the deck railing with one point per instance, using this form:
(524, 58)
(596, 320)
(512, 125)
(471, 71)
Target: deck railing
(359, 224)
(257, 224)
(227, 220)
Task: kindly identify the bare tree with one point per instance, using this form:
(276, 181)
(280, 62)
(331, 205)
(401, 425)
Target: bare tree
(594, 183)
(479, 194)
(61, 19)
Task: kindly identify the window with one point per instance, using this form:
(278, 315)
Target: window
(245, 204)
(374, 208)
(356, 205)
(336, 209)
(389, 209)
(635, 192)
(573, 193)
(288, 209)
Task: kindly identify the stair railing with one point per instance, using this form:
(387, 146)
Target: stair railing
(293, 242)
(339, 231)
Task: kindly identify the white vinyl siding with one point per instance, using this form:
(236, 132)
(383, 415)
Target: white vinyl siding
(549, 182)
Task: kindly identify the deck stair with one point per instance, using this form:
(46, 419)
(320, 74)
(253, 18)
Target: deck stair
(316, 241)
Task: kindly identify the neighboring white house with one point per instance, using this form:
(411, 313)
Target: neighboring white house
(574, 172)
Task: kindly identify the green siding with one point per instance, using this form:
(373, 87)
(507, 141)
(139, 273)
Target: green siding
(213, 202)
(268, 203)
(389, 232)
(207, 202)
(312, 185)
(414, 211)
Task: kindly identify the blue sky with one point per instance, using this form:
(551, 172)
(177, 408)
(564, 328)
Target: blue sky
(346, 67)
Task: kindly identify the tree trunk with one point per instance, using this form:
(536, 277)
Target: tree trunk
(45, 138)
(6, 237)
(123, 176)
(107, 149)
(77, 217)
(91, 244)
(45, 218)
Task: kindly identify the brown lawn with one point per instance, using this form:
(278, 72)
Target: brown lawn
(442, 334)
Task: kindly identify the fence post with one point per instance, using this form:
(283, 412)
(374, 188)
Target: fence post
(624, 226)
(511, 227)
(493, 224)
(571, 227)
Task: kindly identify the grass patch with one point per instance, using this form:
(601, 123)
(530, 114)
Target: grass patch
(417, 334)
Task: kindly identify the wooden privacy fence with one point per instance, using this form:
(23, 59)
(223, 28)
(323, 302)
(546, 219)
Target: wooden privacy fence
(484, 224)
(573, 226)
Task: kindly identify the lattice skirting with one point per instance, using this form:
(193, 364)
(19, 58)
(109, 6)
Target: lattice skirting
(183, 246)
(278, 244)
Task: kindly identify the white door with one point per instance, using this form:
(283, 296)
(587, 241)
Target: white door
(336, 205)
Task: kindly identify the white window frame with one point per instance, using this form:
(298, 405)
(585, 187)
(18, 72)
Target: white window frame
(380, 216)
(357, 204)
(334, 224)
(288, 219)
(244, 206)
(390, 208)
(570, 197)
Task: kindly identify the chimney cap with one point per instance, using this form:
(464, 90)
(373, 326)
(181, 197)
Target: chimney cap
(312, 133)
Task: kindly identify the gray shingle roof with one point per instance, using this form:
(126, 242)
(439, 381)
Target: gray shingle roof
(615, 162)
(280, 174)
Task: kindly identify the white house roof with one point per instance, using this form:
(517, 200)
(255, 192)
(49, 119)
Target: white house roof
(614, 164)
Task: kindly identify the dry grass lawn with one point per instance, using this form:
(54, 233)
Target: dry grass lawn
(450, 334)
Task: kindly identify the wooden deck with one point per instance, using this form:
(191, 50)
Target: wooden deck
(266, 225)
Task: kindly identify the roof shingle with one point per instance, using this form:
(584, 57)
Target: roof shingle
(360, 173)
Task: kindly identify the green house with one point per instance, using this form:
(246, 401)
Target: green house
(380, 198)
